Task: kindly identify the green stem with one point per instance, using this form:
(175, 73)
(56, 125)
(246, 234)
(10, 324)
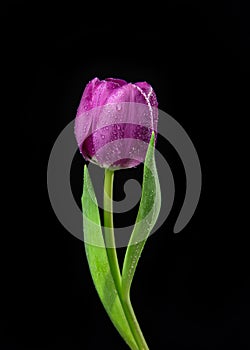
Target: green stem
(109, 227)
(113, 261)
(133, 323)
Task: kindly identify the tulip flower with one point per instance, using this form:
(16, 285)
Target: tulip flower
(115, 128)
(114, 122)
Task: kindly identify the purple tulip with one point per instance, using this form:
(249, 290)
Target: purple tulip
(115, 121)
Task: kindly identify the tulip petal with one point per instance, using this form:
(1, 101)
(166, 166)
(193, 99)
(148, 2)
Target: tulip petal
(118, 82)
(116, 110)
(147, 89)
(86, 102)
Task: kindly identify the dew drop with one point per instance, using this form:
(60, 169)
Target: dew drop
(118, 107)
(103, 137)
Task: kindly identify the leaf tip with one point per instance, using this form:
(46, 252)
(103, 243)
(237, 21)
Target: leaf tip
(85, 171)
(152, 139)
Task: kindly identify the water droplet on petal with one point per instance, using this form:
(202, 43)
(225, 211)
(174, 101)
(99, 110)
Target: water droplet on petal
(118, 107)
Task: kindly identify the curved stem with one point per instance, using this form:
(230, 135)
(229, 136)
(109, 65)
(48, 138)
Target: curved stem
(133, 323)
(113, 261)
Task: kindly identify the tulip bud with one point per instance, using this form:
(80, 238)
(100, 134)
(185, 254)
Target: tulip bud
(114, 122)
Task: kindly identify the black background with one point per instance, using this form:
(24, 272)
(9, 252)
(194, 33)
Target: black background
(191, 290)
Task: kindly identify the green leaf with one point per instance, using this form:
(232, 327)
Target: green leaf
(99, 264)
(146, 218)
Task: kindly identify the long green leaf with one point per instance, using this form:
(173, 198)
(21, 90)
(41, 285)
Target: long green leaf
(98, 262)
(146, 218)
